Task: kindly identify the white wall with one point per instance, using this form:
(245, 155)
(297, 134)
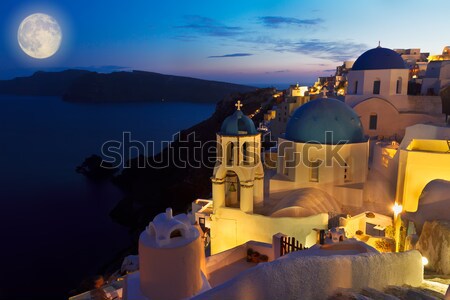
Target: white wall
(391, 121)
(232, 227)
(295, 277)
(366, 78)
(331, 173)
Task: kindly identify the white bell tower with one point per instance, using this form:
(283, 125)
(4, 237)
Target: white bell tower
(238, 178)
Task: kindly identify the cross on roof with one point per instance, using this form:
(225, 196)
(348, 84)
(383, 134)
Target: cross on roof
(324, 92)
(239, 105)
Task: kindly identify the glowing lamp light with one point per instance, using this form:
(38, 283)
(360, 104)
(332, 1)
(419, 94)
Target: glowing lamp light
(424, 261)
(397, 209)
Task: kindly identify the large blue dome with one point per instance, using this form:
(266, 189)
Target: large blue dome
(379, 59)
(238, 124)
(312, 120)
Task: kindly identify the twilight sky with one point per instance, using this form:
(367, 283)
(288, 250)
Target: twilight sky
(246, 41)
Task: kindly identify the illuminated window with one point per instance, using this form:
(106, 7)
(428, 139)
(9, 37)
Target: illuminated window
(314, 171)
(373, 121)
(376, 87)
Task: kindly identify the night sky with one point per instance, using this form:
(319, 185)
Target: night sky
(255, 41)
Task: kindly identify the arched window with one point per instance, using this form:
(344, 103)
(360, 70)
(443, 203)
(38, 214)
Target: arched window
(314, 171)
(233, 190)
(398, 89)
(286, 166)
(246, 153)
(175, 233)
(355, 90)
(376, 87)
(373, 120)
(230, 154)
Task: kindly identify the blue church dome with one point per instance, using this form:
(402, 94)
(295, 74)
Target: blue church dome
(238, 124)
(312, 120)
(379, 59)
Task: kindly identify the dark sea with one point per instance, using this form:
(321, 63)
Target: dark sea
(55, 227)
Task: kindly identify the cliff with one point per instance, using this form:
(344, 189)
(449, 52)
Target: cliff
(41, 83)
(86, 86)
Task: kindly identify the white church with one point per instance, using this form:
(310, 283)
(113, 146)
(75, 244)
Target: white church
(378, 92)
(322, 168)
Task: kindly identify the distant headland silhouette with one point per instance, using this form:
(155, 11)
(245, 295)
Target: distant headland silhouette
(135, 86)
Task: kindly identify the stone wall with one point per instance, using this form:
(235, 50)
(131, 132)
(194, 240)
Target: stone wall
(434, 244)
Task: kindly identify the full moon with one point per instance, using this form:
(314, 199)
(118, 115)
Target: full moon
(39, 36)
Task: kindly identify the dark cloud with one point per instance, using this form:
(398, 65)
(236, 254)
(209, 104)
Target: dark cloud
(278, 71)
(208, 26)
(231, 55)
(331, 50)
(336, 51)
(275, 21)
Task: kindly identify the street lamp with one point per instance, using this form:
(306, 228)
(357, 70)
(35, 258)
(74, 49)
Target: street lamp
(397, 223)
(397, 209)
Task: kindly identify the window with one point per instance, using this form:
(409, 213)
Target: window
(175, 233)
(376, 87)
(398, 89)
(230, 154)
(245, 155)
(314, 171)
(286, 167)
(347, 172)
(355, 91)
(249, 153)
(373, 122)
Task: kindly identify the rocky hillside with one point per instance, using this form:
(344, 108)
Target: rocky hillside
(86, 86)
(41, 83)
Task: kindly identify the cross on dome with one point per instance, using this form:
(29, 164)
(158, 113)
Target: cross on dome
(239, 105)
(324, 92)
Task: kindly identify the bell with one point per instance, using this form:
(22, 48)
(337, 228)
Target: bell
(232, 188)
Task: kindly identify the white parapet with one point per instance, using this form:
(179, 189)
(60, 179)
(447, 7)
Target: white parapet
(300, 277)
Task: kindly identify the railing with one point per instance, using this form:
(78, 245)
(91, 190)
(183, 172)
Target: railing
(290, 244)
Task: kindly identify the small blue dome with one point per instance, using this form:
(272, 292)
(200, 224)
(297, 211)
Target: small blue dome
(238, 124)
(312, 120)
(379, 59)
